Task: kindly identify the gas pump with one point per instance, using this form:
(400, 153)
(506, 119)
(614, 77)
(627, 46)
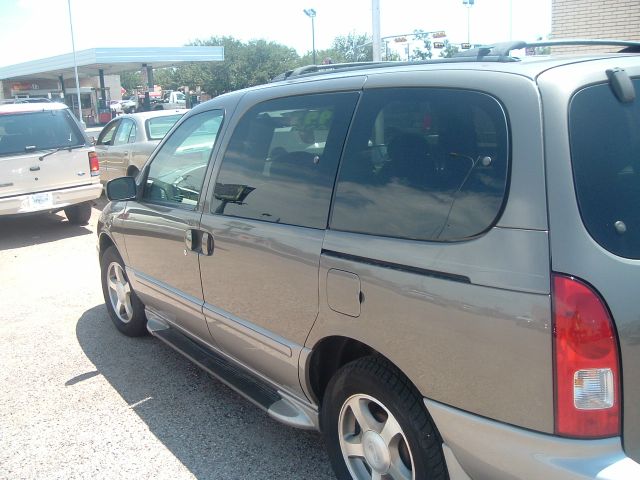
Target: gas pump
(102, 105)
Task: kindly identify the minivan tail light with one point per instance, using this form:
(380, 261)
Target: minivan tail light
(587, 372)
(94, 164)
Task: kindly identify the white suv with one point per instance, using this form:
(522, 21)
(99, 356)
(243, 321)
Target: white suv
(47, 163)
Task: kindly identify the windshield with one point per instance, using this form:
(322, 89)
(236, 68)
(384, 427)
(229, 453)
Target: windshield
(605, 153)
(30, 131)
(158, 127)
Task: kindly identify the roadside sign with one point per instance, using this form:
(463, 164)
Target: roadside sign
(465, 46)
(438, 44)
(439, 34)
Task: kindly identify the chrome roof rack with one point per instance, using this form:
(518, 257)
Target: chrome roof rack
(325, 68)
(502, 51)
(498, 52)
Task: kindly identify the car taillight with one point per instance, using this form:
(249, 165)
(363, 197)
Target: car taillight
(587, 372)
(94, 164)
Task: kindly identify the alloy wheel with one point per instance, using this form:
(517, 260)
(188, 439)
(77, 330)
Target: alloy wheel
(372, 442)
(119, 292)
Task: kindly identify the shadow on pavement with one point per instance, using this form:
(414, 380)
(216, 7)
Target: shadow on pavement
(213, 431)
(100, 203)
(27, 230)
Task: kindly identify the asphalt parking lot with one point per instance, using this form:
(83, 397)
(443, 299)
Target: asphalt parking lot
(80, 400)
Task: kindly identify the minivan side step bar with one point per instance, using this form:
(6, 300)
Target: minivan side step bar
(277, 404)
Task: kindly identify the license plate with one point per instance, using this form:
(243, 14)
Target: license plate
(38, 201)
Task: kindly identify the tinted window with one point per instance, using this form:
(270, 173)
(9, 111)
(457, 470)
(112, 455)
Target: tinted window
(133, 133)
(158, 127)
(605, 152)
(107, 133)
(281, 161)
(124, 131)
(176, 173)
(42, 130)
(424, 164)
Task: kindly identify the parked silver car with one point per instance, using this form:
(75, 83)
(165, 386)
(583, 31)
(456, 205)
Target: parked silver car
(47, 164)
(434, 264)
(125, 143)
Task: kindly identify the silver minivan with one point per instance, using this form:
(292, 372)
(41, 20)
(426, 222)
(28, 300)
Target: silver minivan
(433, 264)
(47, 164)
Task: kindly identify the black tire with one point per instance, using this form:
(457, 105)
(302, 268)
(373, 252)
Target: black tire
(129, 317)
(382, 394)
(78, 214)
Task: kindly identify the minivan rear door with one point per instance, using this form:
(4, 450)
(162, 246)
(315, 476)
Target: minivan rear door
(268, 214)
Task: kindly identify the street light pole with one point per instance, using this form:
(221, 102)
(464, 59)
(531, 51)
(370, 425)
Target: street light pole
(375, 20)
(510, 19)
(75, 66)
(468, 3)
(311, 13)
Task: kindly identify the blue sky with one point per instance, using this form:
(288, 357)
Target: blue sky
(33, 29)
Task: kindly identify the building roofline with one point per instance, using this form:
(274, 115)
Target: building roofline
(113, 60)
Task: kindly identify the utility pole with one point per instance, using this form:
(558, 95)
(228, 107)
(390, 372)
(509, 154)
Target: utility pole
(375, 18)
(75, 66)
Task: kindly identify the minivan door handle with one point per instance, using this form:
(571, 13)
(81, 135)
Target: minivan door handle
(199, 242)
(206, 243)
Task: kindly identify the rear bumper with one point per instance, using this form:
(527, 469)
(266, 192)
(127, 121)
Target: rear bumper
(59, 199)
(479, 448)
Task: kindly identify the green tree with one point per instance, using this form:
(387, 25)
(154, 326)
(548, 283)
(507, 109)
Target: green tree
(321, 56)
(130, 80)
(449, 50)
(244, 65)
(264, 60)
(352, 48)
(426, 51)
(167, 78)
(542, 50)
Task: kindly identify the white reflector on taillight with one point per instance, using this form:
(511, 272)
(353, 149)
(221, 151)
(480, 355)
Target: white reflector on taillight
(593, 389)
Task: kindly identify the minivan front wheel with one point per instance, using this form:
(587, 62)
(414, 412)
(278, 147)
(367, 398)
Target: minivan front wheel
(124, 307)
(375, 425)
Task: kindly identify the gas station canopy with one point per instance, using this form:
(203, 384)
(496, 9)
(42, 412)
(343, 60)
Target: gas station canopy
(111, 61)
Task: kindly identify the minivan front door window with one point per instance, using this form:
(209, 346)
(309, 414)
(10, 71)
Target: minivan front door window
(176, 173)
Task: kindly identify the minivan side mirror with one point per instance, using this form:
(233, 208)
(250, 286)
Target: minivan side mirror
(123, 188)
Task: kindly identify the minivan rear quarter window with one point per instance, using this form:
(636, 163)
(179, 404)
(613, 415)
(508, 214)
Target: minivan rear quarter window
(605, 154)
(423, 164)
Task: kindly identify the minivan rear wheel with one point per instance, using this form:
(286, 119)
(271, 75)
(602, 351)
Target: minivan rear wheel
(78, 214)
(124, 307)
(376, 426)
